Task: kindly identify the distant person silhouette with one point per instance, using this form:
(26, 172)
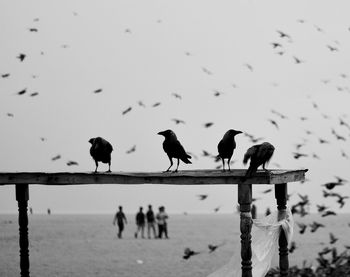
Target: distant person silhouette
(151, 222)
(120, 218)
(140, 223)
(162, 217)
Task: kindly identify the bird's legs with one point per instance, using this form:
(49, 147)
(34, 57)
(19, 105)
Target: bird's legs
(228, 163)
(96, 163)
(171, 164)
(223, 164)
(109, 167)
(178, 162)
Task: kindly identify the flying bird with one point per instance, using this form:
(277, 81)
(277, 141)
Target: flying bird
(10, 114)
(276, 44)
(189, 253)
(202, 196)
(274, 123)
(213, 247)
(302, 227)
(332, 238)
(297, 60)
(156, 104)
(23, 91)
(33, 94)
(6, 75)
(100, 151)
(250, 67)
(173, 148)
(259, 154)
(98, 90)
(226, 147)
(33, 30)
(176, 95)
(131, 150)
(292, 247)
(70, 163)
(21, 57)
(126, 110)
(208, 124)
(315, 225)
(207, 71)
(178, 121)
(283, 34)
(55, 158)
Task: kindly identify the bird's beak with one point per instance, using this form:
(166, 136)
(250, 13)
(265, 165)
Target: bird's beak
(239, 132)
(160, 133)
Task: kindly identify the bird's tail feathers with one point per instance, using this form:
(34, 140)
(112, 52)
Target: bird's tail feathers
(186, 159)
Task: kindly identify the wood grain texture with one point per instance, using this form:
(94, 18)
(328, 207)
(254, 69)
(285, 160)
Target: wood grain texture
(186, 177)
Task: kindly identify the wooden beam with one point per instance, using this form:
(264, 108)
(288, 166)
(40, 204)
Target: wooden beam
(186, 177)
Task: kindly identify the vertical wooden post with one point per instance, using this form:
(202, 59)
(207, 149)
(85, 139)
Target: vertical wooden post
(281, 197)
(22, 197)
(245, 201)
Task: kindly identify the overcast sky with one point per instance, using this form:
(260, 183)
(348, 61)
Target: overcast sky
(147, 51)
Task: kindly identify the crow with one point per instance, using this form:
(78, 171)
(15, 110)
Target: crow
(208, 124)
(70, 163)
(21, 57)
(173, 148)
(188, 252)
(126, 110)
(315, 225)
(202, 196)
(226, 147)
(5, 75)
(98, 90)
(302, 227)
(101, 151)
(259, 154)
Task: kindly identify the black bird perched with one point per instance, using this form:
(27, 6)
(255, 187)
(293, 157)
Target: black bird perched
(101, 151)
(226, 147)
(173, 148)
(259, 154)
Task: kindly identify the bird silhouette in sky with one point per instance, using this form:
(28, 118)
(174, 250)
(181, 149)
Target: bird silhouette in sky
(283, 34)
(202, 196)
(213, 247)
(21, 57)
(174, 149)
(131, 150)
(33, 94)
(100, 151)
(332, 238)
(23, 91)
(188, 252)
(156, 104)
(70, 163)
(176, 95)
(33, 30)
(259, 154)
(315, 225)
(208, 124)
(126, 110)
(302, 227)
(55, 158)
(98, 90)
(226, 147)
(178, 121)
(5, 75)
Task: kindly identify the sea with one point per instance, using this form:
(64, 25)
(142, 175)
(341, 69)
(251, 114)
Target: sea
(87, 245)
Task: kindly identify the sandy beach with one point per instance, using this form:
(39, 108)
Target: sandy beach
(87, 245)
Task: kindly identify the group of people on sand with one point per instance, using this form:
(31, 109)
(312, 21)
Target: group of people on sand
(152, 220)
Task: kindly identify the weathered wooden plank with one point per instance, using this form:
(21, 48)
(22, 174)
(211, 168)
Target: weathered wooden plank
(186, 177)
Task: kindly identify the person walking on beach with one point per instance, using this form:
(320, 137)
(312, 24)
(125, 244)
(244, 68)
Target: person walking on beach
(162, 224)
(151, 222)
(120, 218)
(140, 223)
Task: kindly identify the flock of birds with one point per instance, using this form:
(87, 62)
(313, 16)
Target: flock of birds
(259, 154)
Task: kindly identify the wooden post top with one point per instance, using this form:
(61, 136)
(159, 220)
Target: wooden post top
(184, 177)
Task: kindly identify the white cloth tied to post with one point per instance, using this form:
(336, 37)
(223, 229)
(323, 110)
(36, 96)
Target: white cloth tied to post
(265, 235)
